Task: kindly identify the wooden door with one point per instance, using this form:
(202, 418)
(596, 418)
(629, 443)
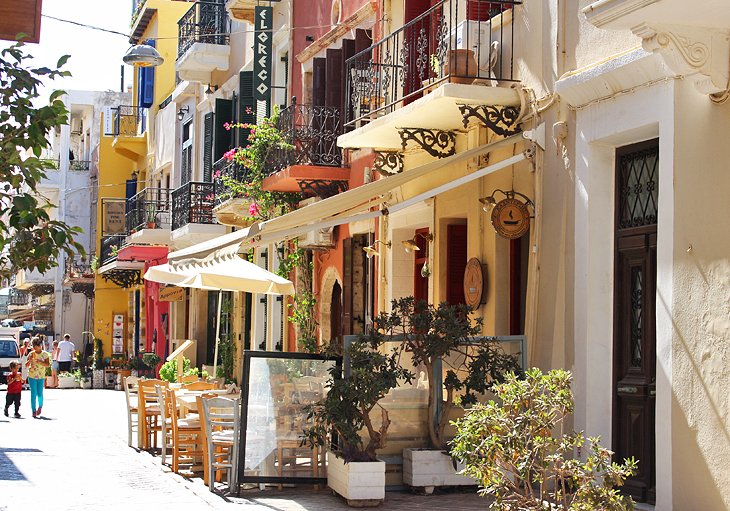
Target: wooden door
(635, 314)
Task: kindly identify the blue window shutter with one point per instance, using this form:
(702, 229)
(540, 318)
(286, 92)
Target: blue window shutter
(148, 83)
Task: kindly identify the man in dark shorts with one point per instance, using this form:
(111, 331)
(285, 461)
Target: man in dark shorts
(65, 353)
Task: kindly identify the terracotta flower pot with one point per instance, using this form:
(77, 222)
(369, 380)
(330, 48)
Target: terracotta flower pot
(461, 66)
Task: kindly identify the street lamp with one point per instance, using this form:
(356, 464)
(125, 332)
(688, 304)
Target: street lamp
(143, 55)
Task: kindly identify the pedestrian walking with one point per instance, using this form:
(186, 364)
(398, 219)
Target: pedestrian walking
(53, 384)
(15, 386)
(65, 353)
(38, 360)
(25, 350)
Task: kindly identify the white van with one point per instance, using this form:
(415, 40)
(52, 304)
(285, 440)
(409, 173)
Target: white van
(9, 351)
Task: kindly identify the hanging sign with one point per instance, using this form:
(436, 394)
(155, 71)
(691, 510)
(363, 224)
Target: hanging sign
(262, 60)
(510, 218)
(171, 294)
(118, 334)
(475, 283)
(114, 217)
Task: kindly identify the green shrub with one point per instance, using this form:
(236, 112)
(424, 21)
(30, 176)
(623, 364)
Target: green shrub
(168, 371)
(521, 455)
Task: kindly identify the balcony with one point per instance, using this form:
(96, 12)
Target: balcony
(79, 275)
(229, 207)
(18, 298)
(79, 165)
(110, 246)
(124, 273)
(192, 214)
(457, 53)
(313, 165)
(129, 129)
(147, 217)
(203, 41)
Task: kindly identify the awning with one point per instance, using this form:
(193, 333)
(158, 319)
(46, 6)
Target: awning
(364, 202)
(231, 273)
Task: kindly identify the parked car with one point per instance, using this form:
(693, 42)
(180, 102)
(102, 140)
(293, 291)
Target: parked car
(9, 351)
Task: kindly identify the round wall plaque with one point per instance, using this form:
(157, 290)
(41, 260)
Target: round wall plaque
(475, 283)
(510, 218)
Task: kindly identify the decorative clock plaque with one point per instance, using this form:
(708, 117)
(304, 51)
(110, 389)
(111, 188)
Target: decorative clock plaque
(475, 283)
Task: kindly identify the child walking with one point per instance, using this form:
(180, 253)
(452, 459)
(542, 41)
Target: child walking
(15, 386)
(38, 360)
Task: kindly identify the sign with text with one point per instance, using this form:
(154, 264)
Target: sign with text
(172, 294)
(262, 61)
(114, 217)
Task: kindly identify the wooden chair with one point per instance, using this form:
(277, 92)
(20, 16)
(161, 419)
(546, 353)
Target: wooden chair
(200, 385)
(167, 410)
(149, 412)
(292, 456)
(222, 424)
(130, 392)
(186, 436)
(189, 378)
(203, 436)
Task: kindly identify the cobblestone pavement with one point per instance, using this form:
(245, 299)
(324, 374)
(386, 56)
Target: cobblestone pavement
(76, 458)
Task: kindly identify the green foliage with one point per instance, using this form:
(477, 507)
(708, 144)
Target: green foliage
(98, 354)
(29, 238)
(168, 371)
(346, 409)
(265, 142)
(227, 353)
(446, 332)
(151, 359)
(302, 307)
(519, 452)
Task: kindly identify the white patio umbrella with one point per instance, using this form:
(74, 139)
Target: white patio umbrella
(229, 273)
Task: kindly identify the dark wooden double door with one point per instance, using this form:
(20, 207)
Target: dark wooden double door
(634, 366)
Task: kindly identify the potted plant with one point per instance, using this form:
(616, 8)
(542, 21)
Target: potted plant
(519, 451)
(97, 365)
(354, 471)
(444, 336)
(151, 215)
(67, 380)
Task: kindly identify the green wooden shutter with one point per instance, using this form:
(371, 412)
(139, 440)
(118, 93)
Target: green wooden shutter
(208, 147)
(246, 105)
(222, 140)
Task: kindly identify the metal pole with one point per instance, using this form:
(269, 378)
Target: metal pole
(217, 334)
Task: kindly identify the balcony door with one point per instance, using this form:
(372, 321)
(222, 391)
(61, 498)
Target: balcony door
(634, 345)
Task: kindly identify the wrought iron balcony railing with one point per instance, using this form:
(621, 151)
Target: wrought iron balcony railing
(78, 267)
(224, 168)
(149, 209)
(128, 121)
(463, 41)
(192, 203)
(18, 297)
(110, 245)
(205, 22)
(79, 165)
(312, 132)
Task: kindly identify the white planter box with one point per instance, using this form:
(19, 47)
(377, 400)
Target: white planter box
(67, 382)
(362, 483)
(429, 468)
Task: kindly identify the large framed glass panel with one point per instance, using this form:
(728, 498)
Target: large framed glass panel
(276, 388)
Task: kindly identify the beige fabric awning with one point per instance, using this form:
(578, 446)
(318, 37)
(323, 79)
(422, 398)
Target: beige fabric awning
(353, 205)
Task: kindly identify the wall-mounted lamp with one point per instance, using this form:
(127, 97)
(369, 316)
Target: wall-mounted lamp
(181, 113)
(134, 174)
(371, 251)
(490, 201)
(211, 89)
(411, 245)
(142, 55)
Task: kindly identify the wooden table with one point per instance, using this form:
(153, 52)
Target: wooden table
(187, 400)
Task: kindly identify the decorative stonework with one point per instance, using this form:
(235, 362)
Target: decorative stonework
(697, 52)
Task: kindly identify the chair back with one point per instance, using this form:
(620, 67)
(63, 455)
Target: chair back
(165, 411)
(189, 378)
(131, 389)
(222, 414)
(170, 407)
(200, 385)
(148, 392)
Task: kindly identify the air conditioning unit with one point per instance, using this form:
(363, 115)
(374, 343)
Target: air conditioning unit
(318, 238)
(474, 35)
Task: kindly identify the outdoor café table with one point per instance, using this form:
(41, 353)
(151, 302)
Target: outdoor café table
(187, 403)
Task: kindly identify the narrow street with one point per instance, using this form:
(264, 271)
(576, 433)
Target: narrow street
(76, 458)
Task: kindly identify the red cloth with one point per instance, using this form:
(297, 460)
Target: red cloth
(15, 386)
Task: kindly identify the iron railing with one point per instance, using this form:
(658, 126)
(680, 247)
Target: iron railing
(110, 245)
(225, 168)
(464, 41)
(149, 209)
(128, 121)
(78, 266)
(79, 165)
(311, 131)
(192, 203)
(18, 297)
(205, 22)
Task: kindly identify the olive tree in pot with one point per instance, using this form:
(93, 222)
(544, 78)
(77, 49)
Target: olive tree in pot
(338, 420)
(444, 336)
(519, 450)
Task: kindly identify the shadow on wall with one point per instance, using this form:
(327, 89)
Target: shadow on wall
(690, 467)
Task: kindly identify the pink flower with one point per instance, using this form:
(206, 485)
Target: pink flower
(249, 111)
(229, 155)
(253, 209)
(227, 125)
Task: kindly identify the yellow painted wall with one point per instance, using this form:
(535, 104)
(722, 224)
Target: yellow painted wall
(110, 299)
